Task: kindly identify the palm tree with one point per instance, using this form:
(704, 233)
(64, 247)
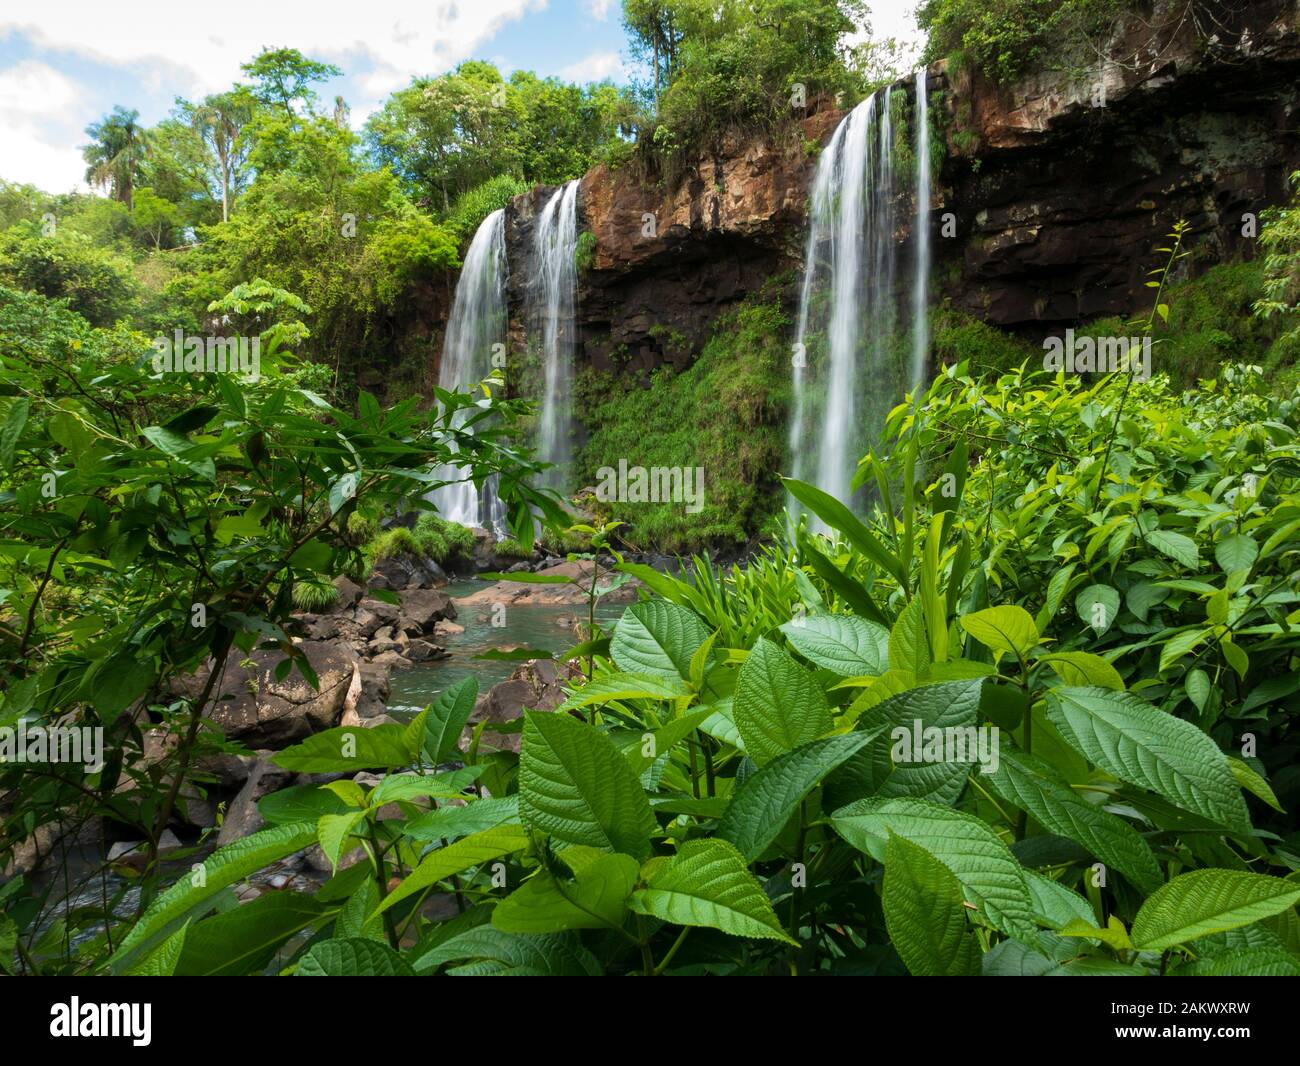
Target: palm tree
(116, 152)
(219, 120)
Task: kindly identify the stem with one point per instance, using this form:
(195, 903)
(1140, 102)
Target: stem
(663, 963)
(381, 882)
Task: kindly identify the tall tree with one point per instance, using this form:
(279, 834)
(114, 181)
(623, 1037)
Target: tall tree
(219, 120)
(116, 153)
(283, 77)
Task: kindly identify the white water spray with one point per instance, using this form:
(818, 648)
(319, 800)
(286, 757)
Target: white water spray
(554, 287)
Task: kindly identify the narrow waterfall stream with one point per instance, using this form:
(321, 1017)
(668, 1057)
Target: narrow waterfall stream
(553, 291)
(853, 358)
(477, 323)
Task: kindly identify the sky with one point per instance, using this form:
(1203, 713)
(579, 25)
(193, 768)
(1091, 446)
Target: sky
(66, 63)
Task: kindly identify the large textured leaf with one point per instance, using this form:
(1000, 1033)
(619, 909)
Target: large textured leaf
(929, 745)
(656, 637)
(595, 899)
(707, 883)
(494, 952)
(989, 873)
(778, 705)
(353, 957)
(243, 940)
(471, 851)
(846, 644)
(348, 749)
(767, 799)
(924, 913)
(613, 687)
(1055, 904)
(193, 894)
(1034, 787)
(574, 784)
(1178, 546)
(452, 823)
(447, 717)
(1209, 901)
(1007, 630)
(1245, 962)
(1127, 737)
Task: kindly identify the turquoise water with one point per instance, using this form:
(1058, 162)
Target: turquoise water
(546, 627)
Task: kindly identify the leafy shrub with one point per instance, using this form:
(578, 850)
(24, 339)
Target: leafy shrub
(443, 541)
(314, 595)
(472, 207)
(394, 542)
(96, 283)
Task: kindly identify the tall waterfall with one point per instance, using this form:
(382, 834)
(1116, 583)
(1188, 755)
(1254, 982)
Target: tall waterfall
(554, 286)
(921, 230)
(852, 359)
(477, 322)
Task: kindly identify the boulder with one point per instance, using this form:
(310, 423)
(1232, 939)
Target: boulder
(408, 572)
(514, 592)
(253, 707)
(421, 608)
(242, 816)
(535, 685)
(349, 591)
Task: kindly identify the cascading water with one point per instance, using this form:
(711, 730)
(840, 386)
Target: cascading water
(554, 286)
(921, 284)
(852, 362)
(477, 322)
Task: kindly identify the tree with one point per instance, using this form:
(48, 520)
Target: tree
(219, 120)
(153, 215)
(283, 77)
(116, 153)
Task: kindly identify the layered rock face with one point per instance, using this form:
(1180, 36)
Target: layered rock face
(1062, 185)
(1049, 202)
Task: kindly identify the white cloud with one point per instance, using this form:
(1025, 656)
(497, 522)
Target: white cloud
(38, 138)
(198, 48)
(598, 9)
(596, 67)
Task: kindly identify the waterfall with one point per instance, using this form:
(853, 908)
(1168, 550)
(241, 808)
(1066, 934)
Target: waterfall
(852, 361)
(921, 282)
(554, 284)
(477, 323)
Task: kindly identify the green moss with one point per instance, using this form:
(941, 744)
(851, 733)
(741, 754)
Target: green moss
(958, 337)
(392, 542)
(726, 413)
(443, 541)
(584, 251)
(314, 595)
(511, 549)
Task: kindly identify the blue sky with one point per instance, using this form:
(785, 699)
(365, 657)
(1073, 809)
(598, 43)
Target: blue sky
(65, 63)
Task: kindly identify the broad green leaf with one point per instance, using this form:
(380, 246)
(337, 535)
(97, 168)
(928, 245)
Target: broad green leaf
(452, 823)
(767, 800)
(1236, 552)
(1054, 903)
(778, 705)
(1097, 607)
(447, 717)
(333, 830)
(1179, 645)
(1179, 547)
(930, 742)
(843, 643)
(909, 643)
(348, 749)
(191, 893)
(494, 952)
(1209, 901)
(575, 785)
(244, 939)
(1244, 962)
(1127, 737)
(990, 875)
(924, 913)
(1253, 782)
(837, 516)
(15, 420)
(1114, 935)
(1034, 787)
(611, 687)
(1007, 630)
(595, 899)
(708, 884)
(301, 803)
(162, 961)
(456, 858)
(657, 638)
(353, 957)
(1083, 668)
(665, 738)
